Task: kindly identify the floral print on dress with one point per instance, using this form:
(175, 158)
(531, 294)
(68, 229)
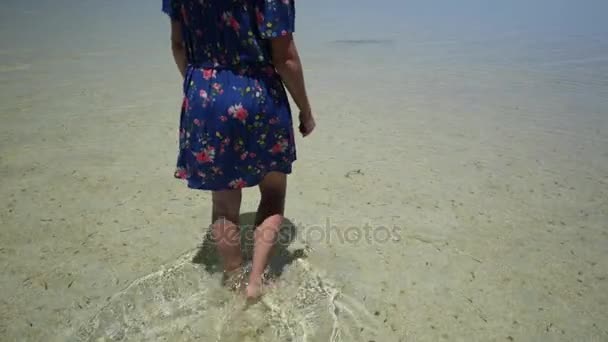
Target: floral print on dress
(235, 124)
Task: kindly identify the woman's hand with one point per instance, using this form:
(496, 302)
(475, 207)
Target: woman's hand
(307, 123)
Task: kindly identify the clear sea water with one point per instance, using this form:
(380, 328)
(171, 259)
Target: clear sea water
(527, 79)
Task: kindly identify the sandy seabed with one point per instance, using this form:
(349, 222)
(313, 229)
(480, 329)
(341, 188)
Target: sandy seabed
(451, 202)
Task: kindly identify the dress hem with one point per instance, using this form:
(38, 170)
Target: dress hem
(287, 170)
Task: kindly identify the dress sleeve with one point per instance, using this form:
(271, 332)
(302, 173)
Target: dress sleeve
(172, 9)
(275, 18)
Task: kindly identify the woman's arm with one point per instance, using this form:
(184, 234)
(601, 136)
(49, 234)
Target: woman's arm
(286, 60)
(178, 48)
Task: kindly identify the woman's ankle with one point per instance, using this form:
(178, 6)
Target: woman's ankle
(233, 265)
(255, 279)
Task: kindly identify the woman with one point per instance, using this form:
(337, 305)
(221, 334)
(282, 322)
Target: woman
(236, 127)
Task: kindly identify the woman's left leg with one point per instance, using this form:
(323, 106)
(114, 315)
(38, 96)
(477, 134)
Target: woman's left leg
(225, 216)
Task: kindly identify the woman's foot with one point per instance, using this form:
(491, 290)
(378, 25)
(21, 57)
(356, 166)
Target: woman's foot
(253, 290)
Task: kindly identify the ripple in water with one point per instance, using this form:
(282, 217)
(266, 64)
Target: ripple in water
(184, 302)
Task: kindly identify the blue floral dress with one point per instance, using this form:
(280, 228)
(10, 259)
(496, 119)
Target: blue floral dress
(236, 123)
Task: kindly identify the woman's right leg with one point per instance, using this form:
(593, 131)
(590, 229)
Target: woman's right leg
(225, 217)
(269, 219)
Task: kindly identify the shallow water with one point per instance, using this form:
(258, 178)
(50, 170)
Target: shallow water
(184, 300)
(181, 302)
(471, 137)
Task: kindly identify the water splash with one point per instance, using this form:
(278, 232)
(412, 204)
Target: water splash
(184, 302)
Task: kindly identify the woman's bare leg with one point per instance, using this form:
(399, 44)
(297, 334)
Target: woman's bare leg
(269, 218)
(225, 217)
